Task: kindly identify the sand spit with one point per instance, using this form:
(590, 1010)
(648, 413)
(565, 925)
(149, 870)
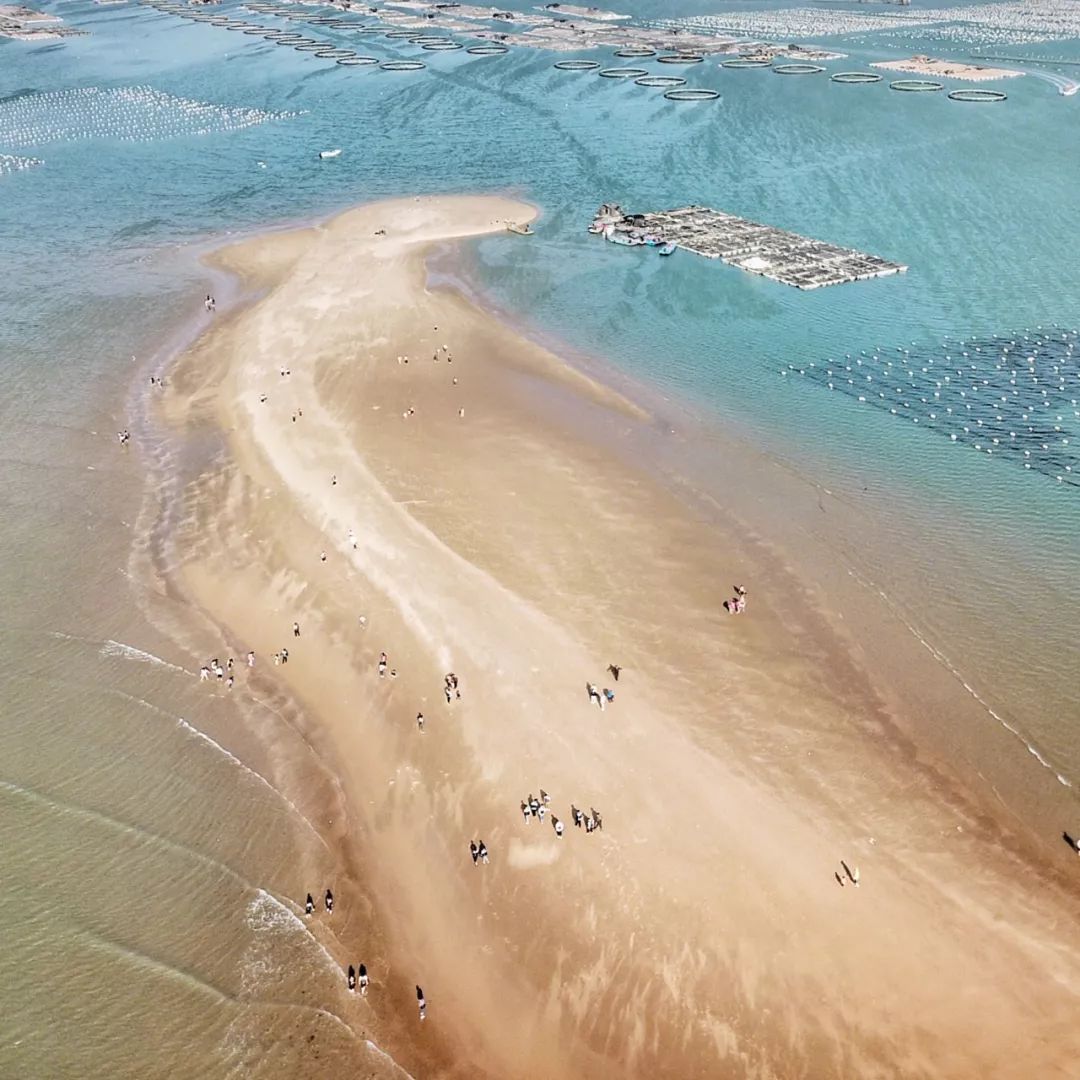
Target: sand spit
(781, 886)
(951, 69)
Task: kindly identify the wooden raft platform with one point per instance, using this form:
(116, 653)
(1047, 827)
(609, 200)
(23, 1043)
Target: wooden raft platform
(758, 249)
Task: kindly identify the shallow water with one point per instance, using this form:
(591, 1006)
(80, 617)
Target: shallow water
(138, 912)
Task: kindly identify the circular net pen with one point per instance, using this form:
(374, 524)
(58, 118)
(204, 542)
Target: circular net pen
(259, 31)
(315, 46)
(621, 73)
(368, 30)
(856, 78)
(427, 39)
(680, 58)
(359, 61)
(639, 51)
(487, 50)
(916, 86)
(335, 54)
(666, 81)
(797, 69)
(401, 65)
(690, 94)
(973, 94)
(442, 46)
(746, 62)
(577, 65)
(393, 35)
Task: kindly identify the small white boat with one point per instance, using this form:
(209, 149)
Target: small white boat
(329, 153)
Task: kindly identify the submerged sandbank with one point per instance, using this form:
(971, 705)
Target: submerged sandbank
(702, 932)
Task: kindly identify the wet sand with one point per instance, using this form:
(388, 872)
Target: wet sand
(702, 932)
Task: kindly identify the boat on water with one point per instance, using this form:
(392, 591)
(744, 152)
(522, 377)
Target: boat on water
(626, 241)
(329, 153)
(521, 230)
(667, 249)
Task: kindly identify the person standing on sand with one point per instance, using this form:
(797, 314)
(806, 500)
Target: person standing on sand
(309, 905)
(420, 721)
(295, 629)
(421, 1003)
(329, 901)
(251, 659)
(382, 665)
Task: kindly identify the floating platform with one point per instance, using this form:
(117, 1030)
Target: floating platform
(780, 256)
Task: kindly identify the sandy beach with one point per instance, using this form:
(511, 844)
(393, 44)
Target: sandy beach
(438, 460)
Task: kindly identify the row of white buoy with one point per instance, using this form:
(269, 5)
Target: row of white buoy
(131, 114)
(1016, 397)
(1015, 22)
(10, 163)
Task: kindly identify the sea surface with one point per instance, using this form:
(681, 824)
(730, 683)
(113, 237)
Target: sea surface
(149, 874)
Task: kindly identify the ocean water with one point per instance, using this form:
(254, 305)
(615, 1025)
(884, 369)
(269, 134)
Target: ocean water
(142, 923)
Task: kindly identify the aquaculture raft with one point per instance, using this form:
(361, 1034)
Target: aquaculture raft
(972, 94)
(758, 249)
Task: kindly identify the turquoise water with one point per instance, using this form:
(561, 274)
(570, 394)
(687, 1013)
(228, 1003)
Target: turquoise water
(977, 554)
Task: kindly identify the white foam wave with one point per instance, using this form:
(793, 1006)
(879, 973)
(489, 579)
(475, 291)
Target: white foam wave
(387, 1058)
(129, 652)
(945, 662)
(203, 737)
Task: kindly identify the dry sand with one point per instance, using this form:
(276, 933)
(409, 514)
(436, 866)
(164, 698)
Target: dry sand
(702, 932)
(950, 69)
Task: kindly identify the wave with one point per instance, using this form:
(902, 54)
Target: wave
(946, 663)
(129, 652)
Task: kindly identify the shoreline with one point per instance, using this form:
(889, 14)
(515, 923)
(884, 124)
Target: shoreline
(379, 464)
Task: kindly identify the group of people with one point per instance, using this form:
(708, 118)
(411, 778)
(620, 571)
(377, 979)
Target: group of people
(600, 696)
(210, 303)
(354, 973)
(479, 852)
(537, 808)
(225, 674)
(450, 687)
(328, 900)
(737, 604)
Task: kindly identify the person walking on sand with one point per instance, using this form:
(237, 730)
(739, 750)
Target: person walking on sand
(352, 977)
(421, 1003)
(309, 905)
(329, 901)
(420, 721)
(557, 825)
(251, 659)
(526, 813)
(363, 979)
(295, 629)
(474, 851)
(204, 673)
(284, 656)
(382, 665)
(614, 669)
(483, 853)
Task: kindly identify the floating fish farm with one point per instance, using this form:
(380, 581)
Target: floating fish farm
(1015, 397)
(759, 249)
